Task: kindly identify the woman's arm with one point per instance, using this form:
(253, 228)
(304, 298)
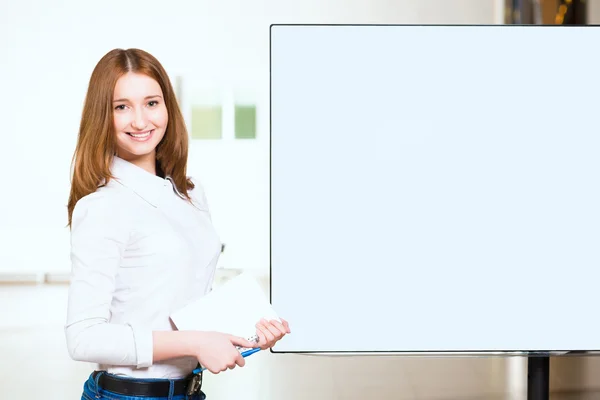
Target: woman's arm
(173, 344)
(99, 234)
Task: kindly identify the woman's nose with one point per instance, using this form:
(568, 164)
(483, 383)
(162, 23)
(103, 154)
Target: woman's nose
(140, 121)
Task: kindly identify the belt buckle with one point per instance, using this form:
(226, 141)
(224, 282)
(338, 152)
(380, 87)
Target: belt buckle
(195, 384)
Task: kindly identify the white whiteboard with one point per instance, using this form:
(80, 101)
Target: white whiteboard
(435, 188)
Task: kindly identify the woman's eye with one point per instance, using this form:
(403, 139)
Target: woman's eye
(153, 103)
(120, 107)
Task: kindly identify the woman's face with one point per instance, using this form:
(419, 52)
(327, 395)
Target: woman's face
(140, 116)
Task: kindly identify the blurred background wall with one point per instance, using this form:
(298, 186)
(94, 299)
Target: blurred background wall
(217, 54)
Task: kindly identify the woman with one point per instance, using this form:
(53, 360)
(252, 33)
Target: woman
(142, 242)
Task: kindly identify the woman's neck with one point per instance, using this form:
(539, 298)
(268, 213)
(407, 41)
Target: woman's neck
(146, 161)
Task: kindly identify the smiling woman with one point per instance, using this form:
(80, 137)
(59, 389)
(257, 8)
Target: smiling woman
(129, 96)
(140, 119)
(142, 242)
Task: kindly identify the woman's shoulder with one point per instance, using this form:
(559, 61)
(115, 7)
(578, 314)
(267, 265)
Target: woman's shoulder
(107, 202)
(104, 196)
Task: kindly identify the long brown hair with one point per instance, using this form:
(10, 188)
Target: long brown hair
(96, 142)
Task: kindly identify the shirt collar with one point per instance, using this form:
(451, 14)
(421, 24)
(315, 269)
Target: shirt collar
(146, 185)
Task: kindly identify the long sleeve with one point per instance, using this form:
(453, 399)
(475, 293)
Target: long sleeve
(99, 235)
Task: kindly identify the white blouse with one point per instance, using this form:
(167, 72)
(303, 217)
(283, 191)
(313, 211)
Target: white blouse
(139, 252)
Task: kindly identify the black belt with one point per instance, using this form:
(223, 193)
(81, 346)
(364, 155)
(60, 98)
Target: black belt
(133, 387)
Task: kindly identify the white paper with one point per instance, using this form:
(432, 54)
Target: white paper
(233, 308)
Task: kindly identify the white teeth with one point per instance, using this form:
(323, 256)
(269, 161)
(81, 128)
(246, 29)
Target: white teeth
(140, 135)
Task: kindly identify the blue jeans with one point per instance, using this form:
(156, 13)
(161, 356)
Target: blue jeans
(91, 391)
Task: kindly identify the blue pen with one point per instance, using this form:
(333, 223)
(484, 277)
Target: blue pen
(244, 354)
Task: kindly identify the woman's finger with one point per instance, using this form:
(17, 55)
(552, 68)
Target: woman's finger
(262, 340)
(286, 325)
(272, 328)
(282, 329)
(268, 335)
(268, 332)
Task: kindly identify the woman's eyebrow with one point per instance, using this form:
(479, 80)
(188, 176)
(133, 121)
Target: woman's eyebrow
(145, 98)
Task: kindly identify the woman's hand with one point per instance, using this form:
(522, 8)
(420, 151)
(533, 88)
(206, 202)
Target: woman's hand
(217, 351)
(270, 332)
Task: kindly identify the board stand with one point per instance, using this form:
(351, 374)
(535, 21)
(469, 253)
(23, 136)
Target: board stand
(538, 376)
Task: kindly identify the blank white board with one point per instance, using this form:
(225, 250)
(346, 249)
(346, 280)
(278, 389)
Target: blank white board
(435, 188)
